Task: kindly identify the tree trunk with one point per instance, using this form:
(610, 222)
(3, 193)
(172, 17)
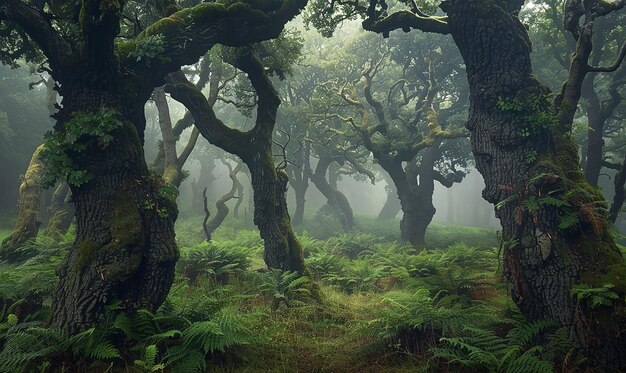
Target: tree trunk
(415, 200)
(222, 209)
(239, 192)
(620, 193)
(125, 248)
(61, 212)
(525, 153)
(282, 249)
(300, 192)
(391, 208)
(595, 133)
(27, 223)
(334, 197)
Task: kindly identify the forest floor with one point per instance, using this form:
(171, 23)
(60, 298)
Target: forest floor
(375, 305)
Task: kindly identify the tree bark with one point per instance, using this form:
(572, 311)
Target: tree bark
(298, 216)
(28, 222)
(510, 119)
(620, 193)
(61, 212)
(125, 248)
(333, 196)
(415, 199)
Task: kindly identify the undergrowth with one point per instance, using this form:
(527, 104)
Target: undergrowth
(380, 306)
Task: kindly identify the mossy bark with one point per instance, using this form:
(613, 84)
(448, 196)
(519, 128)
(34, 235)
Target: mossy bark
(28, 222)
(125, 249)
(524, 155)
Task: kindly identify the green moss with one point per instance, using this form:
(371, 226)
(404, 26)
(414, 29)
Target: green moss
(604, 265)
(87, 251)
(126, 227)
(122, 270)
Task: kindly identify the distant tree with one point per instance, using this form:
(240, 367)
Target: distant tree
(254, 146)
(401, 121)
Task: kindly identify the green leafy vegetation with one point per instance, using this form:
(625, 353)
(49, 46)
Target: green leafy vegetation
(381, 305)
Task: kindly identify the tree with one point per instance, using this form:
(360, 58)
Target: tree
(403, 126)
(125, 248)
(601, 94)
(210, 226)
(30, 191)
(555, 229)
(254, 147)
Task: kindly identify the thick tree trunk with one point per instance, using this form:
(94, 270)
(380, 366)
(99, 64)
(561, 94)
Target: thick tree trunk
(27, 223)
(61, 212)
(510, 118)
(333, 196)
(415, 200)
(125, 248)
(595, 133)
(282, 249)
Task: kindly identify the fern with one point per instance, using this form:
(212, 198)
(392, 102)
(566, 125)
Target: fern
(482, 349)
(148, 363)
(285, 287)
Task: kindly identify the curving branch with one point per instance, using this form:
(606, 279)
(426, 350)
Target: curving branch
(39, 29)
(188, 33)
(210, 226)
(406, 21)
(614, 66)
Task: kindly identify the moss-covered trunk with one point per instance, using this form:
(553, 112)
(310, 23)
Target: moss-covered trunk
(125, 248)
(282, 249)
(555, 230)
(28, 222)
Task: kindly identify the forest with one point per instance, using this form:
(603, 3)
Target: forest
(312, 186)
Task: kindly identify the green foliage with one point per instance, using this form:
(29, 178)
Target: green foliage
(595, 297)
(148, 47)
(482, 349)
(378, 298)
(62, 145)
(285, 287)
(216, 260)
(412, 322)
(148, 362)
